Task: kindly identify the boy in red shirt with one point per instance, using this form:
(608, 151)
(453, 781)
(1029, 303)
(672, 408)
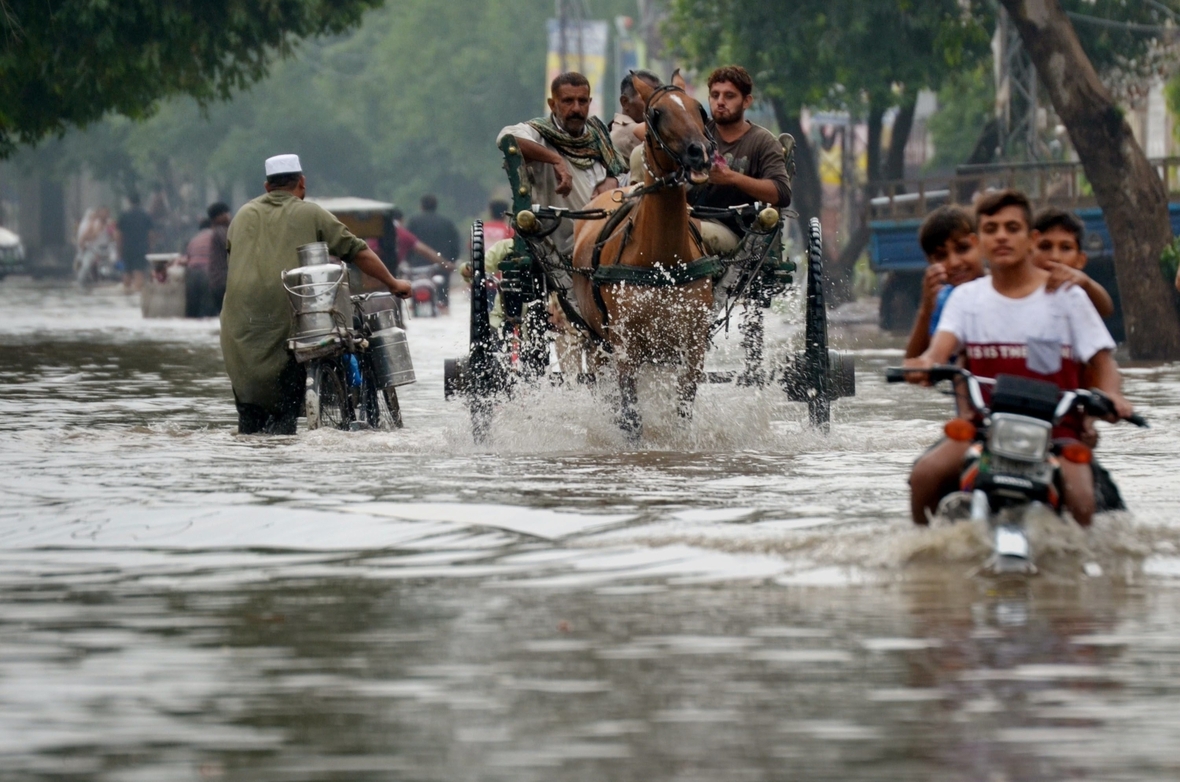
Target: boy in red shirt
(1008, 323)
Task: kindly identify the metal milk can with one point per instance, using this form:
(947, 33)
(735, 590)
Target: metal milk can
(319, 298)
(389, 348)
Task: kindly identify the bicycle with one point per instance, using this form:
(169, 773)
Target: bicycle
(354, 348)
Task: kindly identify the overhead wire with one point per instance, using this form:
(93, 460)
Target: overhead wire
(1131, 27)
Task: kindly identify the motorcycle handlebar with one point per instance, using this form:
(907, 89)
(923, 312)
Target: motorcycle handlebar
(1096, 403)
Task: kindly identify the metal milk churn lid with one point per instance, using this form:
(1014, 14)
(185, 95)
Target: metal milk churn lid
(313, 254)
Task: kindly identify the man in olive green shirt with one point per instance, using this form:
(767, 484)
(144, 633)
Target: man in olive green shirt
(256, 317)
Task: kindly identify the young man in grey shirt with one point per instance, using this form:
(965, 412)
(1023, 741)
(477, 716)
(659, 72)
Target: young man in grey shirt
(749, 164)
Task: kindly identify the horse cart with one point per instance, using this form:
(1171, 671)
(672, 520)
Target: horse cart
(516, 350)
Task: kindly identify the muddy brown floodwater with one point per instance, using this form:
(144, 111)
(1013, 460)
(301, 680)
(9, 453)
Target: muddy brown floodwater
(739, 600)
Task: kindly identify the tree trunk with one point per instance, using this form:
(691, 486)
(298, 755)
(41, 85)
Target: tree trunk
(806, 191)
(1133, 199)
(899, 140)
(873, 153)
(984, 152)
(842, 270)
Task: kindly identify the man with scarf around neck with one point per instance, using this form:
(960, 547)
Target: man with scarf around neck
(569, 156)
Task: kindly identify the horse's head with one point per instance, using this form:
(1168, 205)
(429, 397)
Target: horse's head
(677, 142)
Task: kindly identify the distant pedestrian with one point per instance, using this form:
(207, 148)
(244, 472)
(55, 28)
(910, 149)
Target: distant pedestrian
(439, 233)
(96, 246)
(196, 273)
(134, 240)
(219, 219)
(496, 228)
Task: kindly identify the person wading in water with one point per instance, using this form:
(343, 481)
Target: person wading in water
(263, 238)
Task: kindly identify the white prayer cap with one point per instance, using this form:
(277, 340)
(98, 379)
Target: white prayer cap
(283, 164)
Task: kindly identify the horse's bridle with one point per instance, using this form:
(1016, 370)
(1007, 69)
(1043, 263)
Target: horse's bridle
(680, 175)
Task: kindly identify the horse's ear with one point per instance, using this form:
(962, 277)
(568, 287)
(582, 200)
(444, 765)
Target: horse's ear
(678, 80)
(642, 88)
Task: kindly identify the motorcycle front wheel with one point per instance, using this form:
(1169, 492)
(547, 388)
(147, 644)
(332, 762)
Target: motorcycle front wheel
(327, 401)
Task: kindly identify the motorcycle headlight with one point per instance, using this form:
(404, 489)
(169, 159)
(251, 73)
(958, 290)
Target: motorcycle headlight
(1018, 437)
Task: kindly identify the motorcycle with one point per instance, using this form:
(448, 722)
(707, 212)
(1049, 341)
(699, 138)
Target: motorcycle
(426, 284)
(95, 265)
(1013, 463)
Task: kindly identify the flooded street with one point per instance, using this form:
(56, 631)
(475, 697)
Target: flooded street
(744, 599)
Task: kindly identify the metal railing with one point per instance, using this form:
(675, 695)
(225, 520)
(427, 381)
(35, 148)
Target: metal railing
(1061, 184)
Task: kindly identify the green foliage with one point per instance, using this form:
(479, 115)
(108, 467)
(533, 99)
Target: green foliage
(408, 103)
(1123, 38)
(966, 102)
(843, 53)
(1170, 260)
(69, 62)
(832, 53)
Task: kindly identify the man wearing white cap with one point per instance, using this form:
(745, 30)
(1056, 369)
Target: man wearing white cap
(256, 317)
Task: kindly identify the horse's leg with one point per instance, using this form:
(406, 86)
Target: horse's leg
(690, 378)
(692, 357)
(629, 419)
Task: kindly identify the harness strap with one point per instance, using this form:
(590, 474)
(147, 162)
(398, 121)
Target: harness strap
(659, 276)
(612, 223)
(580, 324)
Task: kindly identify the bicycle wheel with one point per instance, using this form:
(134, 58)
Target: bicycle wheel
(327, 400)
(380, 405)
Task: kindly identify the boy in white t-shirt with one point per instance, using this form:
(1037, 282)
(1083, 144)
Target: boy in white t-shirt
(1009, 324)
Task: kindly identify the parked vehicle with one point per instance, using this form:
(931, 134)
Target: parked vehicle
(1013, 463)
(12, 254)
(163, 287)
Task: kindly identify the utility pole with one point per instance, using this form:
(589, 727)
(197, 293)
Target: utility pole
(1016, 94)
(570, 16)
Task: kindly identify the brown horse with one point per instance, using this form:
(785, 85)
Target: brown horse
(656, 309)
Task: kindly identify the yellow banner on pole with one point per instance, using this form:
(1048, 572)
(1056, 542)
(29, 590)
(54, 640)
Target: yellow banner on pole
(579, 46)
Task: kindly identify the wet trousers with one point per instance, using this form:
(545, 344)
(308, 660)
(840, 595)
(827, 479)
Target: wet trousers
(281, 419)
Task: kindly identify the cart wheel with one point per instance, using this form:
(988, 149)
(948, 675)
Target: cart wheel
(482, 361)
(815, 352)
(328, 403)
(481, 323)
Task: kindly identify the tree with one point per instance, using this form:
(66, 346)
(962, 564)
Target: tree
(864, 57)
(966, 104)
(407, 103)
(67, 63)
(1130, 192)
